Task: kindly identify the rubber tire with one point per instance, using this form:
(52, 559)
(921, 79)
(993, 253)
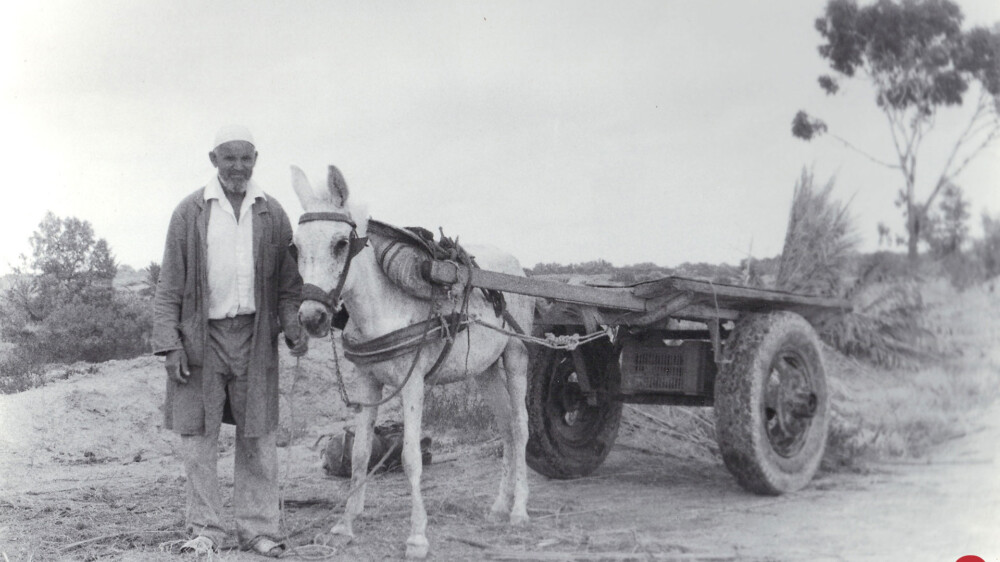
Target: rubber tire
(740, 397)
(553, 450)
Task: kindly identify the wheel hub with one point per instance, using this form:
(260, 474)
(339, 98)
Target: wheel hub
(790, 403)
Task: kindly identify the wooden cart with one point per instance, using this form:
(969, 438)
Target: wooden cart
(752, 354)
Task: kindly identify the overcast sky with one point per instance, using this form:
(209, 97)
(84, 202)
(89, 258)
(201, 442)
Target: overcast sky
(561, 131)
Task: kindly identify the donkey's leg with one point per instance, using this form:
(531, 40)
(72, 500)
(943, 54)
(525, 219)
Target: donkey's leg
(494, 390)
(413, 409)
(370, 391)
(515, 362)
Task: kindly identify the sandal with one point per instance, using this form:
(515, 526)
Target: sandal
(199, 545)
(266, 547)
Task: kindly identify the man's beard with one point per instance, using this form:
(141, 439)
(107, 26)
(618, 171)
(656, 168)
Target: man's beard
(234, 184)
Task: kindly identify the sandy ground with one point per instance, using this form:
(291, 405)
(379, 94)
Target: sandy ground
(87, 473)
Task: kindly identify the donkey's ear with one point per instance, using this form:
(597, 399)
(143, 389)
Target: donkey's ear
(337, 185)
(300, 183)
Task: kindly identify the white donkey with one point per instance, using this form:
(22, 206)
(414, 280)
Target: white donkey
(335, 264)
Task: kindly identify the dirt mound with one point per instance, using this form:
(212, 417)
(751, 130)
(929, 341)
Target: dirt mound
(113, 413)
(104, 413)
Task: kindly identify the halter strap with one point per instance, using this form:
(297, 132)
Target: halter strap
(357, 243)
(326, 216)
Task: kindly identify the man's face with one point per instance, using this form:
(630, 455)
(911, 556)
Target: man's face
(235, 161)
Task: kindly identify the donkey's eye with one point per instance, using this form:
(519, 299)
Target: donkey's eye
(340, 246)
(293, 251)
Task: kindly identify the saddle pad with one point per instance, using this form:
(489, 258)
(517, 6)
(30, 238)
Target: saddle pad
(402, 253)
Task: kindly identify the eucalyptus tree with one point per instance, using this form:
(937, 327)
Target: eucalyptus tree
(919, 61)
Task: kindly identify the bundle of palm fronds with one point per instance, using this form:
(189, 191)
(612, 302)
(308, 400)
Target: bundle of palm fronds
(887, 327)
(819, 242)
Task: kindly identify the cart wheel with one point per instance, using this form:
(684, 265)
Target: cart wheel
(771, 403)
(567, 437)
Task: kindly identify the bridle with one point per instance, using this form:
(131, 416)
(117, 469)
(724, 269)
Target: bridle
(357, 243)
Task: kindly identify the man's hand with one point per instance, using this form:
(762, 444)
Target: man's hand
(299, 348)
(177, 366)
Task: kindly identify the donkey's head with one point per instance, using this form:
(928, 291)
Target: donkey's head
(325, 242)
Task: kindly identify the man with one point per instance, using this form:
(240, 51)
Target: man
(227, 287)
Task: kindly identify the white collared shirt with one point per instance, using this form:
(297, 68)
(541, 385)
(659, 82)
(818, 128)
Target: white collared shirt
(230, 252)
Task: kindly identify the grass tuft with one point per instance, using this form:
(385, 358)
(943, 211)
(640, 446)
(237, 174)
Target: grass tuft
(883, 415)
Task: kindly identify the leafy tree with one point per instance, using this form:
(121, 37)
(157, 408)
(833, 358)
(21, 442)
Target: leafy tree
(67, 264)
(919, 61)
(62, 305)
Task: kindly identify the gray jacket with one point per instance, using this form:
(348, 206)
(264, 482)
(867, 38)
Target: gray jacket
(181, 313)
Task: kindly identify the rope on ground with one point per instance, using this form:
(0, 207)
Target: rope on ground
(313, 552)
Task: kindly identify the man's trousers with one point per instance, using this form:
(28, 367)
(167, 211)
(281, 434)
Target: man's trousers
(255, 479)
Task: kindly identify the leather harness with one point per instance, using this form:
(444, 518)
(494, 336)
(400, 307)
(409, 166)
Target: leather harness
(398, 342)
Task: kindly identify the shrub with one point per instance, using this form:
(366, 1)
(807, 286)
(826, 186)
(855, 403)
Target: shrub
(623, 276)
(987, 250)
(118, 328)
(18, 370)
(151, 280)
(946, 230)
(722, 273)
(962, 270)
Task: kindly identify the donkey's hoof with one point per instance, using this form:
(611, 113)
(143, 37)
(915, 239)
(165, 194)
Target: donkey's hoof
(417, 547)
(496, 516)
(519, 519)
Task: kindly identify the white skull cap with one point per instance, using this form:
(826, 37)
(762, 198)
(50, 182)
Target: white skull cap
(231, 133)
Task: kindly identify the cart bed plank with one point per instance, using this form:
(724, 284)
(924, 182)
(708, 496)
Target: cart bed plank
(649, 301)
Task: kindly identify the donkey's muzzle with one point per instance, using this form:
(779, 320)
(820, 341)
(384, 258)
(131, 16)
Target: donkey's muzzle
(315, 318)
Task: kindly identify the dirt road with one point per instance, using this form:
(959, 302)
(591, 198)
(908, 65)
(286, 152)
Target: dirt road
(637, 506)
(643, 507)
